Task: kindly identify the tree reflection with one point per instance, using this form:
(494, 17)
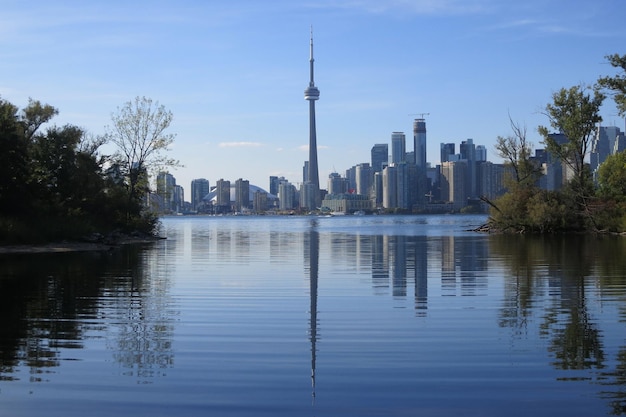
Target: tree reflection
(43, 300)
(50, 302)
(143, 319)
(554, 275)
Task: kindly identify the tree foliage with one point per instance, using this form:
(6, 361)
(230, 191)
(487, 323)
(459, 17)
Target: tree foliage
(525, 207)
(576, 114)
(616, 84)
(52, 181)
(139, 132)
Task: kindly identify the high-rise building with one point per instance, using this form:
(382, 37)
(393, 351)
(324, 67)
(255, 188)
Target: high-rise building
(603, 145)
(165, 189)
(377, 186)
(179, 199)
(199, 190)
(222, 188)
(364, 177)
(380, 156)
(419, 142)
(305, 172)
(398, 147)
(390, 187)
(447, 150)
(453, 183)
(351, 178)
(259, 201)
(337, 184)
(286, 195)
(242, 194)
(312, 94)
(468, 153)
(481, 153)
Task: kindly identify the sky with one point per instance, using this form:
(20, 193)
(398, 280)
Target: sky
(233, 73)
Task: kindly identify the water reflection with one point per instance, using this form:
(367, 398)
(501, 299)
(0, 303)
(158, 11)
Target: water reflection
(52, 304)
(142, 317)
(563, 275)
(311, 264)
(411, 319)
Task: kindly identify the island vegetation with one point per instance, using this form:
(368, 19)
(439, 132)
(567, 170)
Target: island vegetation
(56, 184)
(584, 203)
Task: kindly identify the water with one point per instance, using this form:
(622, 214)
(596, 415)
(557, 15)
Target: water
(306, 316)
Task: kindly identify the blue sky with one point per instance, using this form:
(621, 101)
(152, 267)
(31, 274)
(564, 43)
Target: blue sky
(234, 72)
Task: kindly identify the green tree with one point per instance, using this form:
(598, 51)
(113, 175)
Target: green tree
(139, 132)
(13, 161)
(575, 112)
(617, 83)
(612, 177)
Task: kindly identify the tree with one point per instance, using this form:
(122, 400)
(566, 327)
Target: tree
(616, 84)
(35, 115)
(575, 114)
(612, 177)
(516, 151)
(138, 131)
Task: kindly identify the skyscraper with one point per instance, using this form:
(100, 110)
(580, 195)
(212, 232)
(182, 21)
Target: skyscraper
(312, 94)
(398, 147)
(242, 194)
(447, 150)
(419, 142)
(380, 156)
(199, 190)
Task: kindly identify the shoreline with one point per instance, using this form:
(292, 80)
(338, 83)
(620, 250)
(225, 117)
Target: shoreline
(64, 247)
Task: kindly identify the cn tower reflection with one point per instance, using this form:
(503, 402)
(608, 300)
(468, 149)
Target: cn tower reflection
(311, 262)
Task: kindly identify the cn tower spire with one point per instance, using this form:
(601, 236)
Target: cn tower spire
(312, 94)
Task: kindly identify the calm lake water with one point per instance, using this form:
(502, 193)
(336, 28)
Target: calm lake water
(305, 316)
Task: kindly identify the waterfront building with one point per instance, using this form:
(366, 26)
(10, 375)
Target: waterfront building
(242, 195)
(260, 201)
(165, 190)
(222, 203)
(347, 203)
(286, 196)
(199, 190)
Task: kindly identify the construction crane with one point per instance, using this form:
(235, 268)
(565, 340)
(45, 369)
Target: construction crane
(421, 115)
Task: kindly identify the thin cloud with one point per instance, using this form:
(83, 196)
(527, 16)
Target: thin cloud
(239, 144)
(417, 7)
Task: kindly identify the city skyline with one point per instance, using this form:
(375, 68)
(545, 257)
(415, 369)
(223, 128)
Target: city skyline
(232, 73)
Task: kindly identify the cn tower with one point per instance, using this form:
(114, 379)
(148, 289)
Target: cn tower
(312, 94)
